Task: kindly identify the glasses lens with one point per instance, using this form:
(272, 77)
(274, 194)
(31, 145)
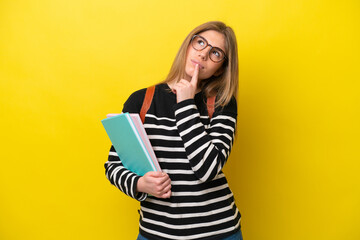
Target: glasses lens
(199, 43)
(216, 54)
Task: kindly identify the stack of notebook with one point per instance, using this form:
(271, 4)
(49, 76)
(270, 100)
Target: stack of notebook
(131, 142)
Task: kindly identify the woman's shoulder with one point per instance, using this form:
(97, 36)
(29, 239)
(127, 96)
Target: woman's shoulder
(138, 94)
(134, 102)
(229, 108)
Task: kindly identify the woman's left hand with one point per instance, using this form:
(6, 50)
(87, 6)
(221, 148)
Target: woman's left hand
(186, 90)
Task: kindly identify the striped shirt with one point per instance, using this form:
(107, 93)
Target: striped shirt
(192, 150)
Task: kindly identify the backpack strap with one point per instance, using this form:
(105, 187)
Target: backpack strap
(147, 102)
(210, 103)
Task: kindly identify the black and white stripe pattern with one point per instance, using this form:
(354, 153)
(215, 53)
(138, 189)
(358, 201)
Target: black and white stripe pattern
(192, 150)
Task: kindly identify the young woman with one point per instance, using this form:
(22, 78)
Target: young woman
(190, 198)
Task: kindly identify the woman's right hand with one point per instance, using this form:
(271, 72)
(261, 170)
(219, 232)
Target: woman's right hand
(157, 184)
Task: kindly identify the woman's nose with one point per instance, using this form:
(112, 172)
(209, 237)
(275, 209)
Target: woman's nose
(204, 53)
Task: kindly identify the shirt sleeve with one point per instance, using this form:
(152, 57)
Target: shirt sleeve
(206, 150)
(122, 178)
(116, 173)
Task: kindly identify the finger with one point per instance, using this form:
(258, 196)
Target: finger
(166, 184)
(160, 182)
(167, 188)
(166, 195)
(176, 87)
(164, 180)
(195, 76)
(181, 84)
(161, 190)
(155, 174)
(184, 82)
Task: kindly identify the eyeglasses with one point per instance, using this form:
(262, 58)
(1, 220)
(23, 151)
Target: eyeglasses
(215, 54)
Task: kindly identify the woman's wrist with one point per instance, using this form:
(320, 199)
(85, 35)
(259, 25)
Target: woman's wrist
(140, 185)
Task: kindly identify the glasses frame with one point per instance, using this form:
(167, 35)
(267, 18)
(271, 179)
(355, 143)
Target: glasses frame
(207, 44)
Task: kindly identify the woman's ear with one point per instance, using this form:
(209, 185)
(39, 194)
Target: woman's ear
(219, 71)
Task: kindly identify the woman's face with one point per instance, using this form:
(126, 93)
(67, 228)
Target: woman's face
(207, 67)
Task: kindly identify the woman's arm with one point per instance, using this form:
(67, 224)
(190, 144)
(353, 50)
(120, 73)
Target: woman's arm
(157, 184)
(207, 151)
(122, 178)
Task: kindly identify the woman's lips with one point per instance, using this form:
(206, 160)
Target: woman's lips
(196, 62)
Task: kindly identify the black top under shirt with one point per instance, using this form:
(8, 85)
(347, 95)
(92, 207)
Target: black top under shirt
(192, 150)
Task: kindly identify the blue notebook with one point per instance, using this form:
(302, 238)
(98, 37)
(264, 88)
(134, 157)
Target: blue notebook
(131, 143)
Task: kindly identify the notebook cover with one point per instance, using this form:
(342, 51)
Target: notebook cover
(128, 144)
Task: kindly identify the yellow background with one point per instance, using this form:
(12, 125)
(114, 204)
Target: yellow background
(65, 64)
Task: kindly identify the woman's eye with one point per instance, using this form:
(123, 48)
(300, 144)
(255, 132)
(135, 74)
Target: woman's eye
(201, 43)
(216, 53)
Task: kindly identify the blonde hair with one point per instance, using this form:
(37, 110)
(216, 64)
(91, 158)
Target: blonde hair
(224, 86)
